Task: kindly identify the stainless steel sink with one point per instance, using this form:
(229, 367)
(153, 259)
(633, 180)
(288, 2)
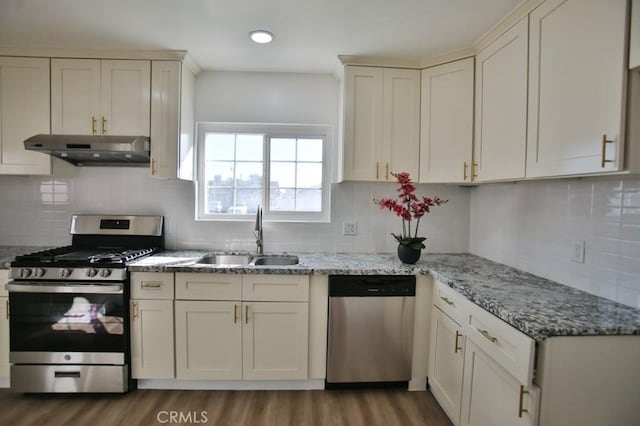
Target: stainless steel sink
(245, 259)
(226, 259)
(275, 260)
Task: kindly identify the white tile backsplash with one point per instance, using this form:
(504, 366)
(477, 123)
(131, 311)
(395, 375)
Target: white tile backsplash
(532, 226)
(26, 220)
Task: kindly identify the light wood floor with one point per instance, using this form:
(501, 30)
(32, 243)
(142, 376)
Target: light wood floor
(222, 408)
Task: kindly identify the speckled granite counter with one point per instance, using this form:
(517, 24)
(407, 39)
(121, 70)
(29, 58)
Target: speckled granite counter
(538, 307)
(8, 253)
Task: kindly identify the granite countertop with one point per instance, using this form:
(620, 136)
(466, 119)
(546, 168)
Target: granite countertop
(8, 253)
(536, 306)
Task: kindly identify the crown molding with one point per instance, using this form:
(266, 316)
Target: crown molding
(176, 55)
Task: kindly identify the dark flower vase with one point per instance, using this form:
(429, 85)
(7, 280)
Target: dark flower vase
(408, 255)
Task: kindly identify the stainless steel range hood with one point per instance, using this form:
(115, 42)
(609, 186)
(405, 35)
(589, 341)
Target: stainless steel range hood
(93, 150)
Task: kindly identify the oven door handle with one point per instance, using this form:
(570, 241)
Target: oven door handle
(81, 289)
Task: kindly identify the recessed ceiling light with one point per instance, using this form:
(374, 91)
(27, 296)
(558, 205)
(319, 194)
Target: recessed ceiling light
(261, 36)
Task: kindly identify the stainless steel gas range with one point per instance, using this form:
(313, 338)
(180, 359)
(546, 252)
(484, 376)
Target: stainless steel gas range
(69, 307)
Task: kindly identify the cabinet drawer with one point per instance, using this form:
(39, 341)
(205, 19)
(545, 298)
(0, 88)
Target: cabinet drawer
(509, 347)
(451, 302)
(152, 285)
(276, 288)
(199, 286)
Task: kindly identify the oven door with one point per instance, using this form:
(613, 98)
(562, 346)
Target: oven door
(67, 323)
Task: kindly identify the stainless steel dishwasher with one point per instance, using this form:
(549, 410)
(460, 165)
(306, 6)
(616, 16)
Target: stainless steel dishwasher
(370, 330)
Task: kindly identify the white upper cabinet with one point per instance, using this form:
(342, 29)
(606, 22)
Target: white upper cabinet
(24, 112)
(446, 136)
(634, 39)
(576, 82)
(100, 97)
(172, 120)
(381, 122)
(501, 107)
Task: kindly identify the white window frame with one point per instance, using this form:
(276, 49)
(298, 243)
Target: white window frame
(324, 132)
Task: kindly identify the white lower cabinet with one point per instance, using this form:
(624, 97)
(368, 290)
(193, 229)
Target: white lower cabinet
(275, 341)
(493, 397)
(221, 334)
(446, 362)
(4, 338)
(152, 339)
(208, 340)
(152, 342)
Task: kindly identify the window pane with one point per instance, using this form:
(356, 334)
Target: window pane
(309, 149)
(219, 200)
(219, 146)
(282, 200)
(247, 200)
(309, 175)
(249, 147)
(283, 149)
(283, 175)
(309, 200)
(249, 174)
(219, 173)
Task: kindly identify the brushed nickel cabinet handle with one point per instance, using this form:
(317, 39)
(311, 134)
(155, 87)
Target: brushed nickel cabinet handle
(486, 335)
(446, 300)
(135, 310)
(151, 285)
(521, 403)
(104, 125)
(457, 348)
(93, 125)
(464, 171)
(603, 155)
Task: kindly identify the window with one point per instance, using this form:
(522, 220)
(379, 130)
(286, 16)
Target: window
(284, 168)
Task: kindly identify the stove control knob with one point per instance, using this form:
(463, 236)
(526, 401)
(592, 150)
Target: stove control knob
(25, 273)
(39, 272)
(65, 272)
(104, 273)
(92, 272)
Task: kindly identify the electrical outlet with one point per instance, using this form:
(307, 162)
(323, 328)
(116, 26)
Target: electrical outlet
(578, 251)
(349, 228)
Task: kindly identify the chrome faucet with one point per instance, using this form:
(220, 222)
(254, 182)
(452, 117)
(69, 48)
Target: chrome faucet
(258, 231)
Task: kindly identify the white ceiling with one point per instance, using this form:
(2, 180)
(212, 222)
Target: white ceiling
(309, 33)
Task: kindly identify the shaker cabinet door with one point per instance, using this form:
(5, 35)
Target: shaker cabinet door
(501, 107)
(576, 87)
(152, 343)
(75, 96)
(24, 112)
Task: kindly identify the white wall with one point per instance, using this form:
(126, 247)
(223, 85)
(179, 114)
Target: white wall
(30, 216)
(532, 226)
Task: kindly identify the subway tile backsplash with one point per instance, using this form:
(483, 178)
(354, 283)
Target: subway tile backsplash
(36, 211)
(528, 225)
(535, 226)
